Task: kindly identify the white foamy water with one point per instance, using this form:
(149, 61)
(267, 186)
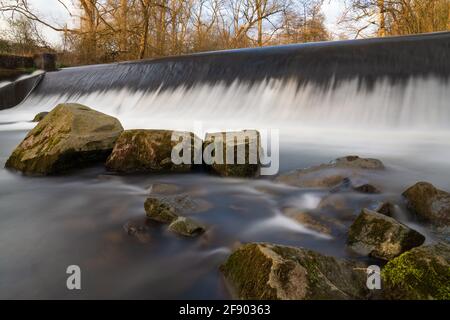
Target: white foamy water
(420, 104)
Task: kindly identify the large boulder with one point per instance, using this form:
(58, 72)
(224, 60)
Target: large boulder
(429, 204)
(70, 136)
(233, 154)
(379, 236)
(422, 273)
(339, 172)
(259, 271)
(151, 151)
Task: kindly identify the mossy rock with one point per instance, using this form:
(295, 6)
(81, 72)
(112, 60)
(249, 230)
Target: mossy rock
(186, 227)
(167, 208)
(429, 203)
(70, 136)
(380, 236)
(419, 274)
(260, 271)
(230, 145)
(40, 116)
(337, 174)
(139, 151)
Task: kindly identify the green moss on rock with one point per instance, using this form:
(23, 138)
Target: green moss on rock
(422, 273)
(167, 208)
(40, 116)
(230, 143)
(266, 271)
(70, 136)
(150, 151)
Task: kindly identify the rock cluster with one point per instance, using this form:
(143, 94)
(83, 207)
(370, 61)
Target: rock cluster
(72, 136)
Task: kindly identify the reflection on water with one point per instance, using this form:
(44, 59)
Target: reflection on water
(49, 223)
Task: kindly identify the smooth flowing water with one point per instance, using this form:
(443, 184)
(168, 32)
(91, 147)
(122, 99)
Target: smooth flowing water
(49, 223)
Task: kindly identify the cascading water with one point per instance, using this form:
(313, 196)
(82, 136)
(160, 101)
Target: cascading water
(384, 98)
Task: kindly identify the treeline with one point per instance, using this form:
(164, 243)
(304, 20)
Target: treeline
(116, 30)
(396, 17)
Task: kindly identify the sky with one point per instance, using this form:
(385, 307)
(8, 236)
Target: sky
(55, 12)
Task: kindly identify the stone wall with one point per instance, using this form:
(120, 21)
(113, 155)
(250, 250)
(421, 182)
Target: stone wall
(43, 61)
(15, 62)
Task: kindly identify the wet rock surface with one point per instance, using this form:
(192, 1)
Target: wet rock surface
(137, 230)
(167, 208)
(71, 136)
(336, 174)
(429, 203)
(315, 220)
(150, 151)
(269, 272)
(186, 227)
(382, 237)
(232, 143)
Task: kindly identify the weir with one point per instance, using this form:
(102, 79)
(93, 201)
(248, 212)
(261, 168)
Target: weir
(393, 83)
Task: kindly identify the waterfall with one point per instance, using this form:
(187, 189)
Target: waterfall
(398, 83)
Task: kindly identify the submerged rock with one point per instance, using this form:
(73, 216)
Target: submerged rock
(139, 231)
(40, 116)
(355, 162)
(349, 184)
(151, 151)
(259, 271)
(429, 203)
(231, 144)
(186, 227)
(382, 237)
(70, 136)
(422, 273)
(164, 189)
(318, 223)
(334, 174)
(168, 208)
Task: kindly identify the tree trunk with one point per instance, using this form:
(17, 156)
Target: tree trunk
(123, 26)
(382, 18)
